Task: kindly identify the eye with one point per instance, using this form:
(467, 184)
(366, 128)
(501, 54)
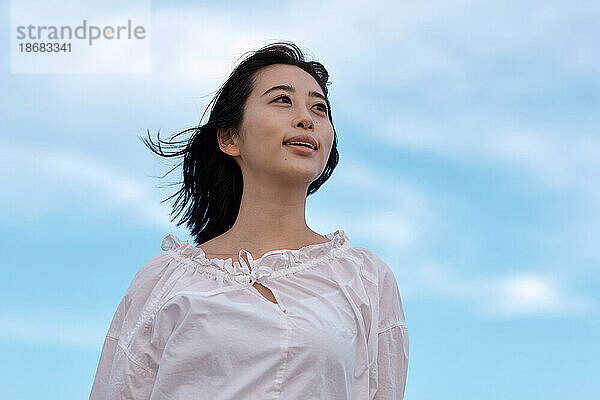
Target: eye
(283, 97)
(324, 107)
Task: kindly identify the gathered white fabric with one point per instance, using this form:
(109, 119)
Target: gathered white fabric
(189, 327)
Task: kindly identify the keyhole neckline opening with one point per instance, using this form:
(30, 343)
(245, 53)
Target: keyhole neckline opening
(265, 288)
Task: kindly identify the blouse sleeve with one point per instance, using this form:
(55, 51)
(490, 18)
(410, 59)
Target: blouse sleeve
(392, 341)
(392, 363)
(126, 365)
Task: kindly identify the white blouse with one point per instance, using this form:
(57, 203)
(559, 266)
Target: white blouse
(190, 327)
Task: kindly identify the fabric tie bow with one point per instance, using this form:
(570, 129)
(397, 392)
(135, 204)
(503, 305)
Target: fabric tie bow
(256, 273)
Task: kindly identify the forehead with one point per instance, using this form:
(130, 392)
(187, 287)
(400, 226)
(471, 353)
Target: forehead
(283, 74)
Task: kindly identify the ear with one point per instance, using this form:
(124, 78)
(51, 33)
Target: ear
(228, 142)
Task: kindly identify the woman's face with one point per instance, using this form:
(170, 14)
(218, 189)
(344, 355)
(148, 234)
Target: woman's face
(272, 117)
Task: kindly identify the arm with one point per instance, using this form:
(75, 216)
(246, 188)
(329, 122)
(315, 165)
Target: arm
(392, 363)
(119, 376)
(125, 368)
(392, 339)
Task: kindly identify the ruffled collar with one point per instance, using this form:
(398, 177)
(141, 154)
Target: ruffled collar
(271, 264)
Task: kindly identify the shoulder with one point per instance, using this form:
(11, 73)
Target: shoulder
(372, 267)
(154, 268)
(377, 271)
(147, 281)
(150, 271)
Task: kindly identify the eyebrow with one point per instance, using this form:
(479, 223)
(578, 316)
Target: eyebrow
(291, 89)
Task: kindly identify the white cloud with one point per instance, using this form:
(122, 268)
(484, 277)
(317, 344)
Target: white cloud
(44, 178)
(513, 295)
(534, 294)
(59, 329)
(459, 79)
(562, 162)
(425, 47)
(397, 212)
(382, 185)
(567, 164)
(201, 45)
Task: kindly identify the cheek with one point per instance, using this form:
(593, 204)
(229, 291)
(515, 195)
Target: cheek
(262, 142)
(327, 141)
(265, 128)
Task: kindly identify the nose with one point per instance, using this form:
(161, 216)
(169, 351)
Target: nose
(305, 122)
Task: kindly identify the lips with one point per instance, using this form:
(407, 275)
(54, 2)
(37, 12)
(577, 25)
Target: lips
(304, 139)
(301, 149)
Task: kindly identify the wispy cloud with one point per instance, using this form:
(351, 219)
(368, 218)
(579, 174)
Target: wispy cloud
(398, 211)
(435, 88)
(512, 295)
(526, 294)
(52, 328)
(568, 164)
(65, 176)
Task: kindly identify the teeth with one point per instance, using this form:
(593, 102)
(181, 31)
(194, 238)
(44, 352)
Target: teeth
(302, 144)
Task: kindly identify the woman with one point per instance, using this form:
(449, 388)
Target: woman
(263, 307)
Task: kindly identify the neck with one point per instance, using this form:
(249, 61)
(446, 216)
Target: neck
(272, 217)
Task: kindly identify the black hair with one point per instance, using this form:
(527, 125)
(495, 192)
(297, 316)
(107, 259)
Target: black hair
(211, 190)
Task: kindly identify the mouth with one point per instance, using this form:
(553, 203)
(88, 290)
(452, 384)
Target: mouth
(301, 148)
(303, 140)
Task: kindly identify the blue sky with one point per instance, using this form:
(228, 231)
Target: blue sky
(470, 163)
